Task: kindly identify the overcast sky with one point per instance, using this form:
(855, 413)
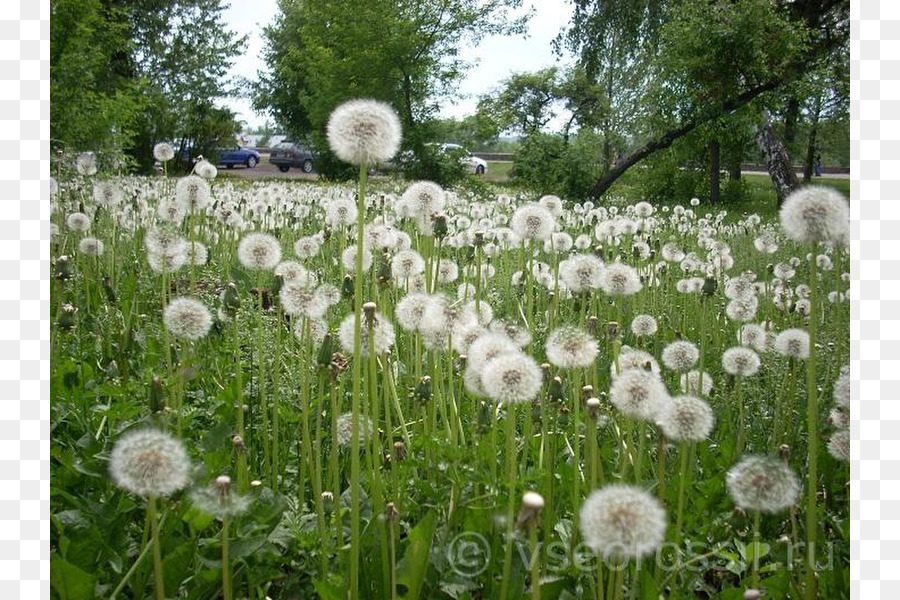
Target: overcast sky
(494, 59)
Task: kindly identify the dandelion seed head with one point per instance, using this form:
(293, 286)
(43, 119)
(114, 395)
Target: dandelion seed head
(686, 418)
(148, 463)
(680, 355)
(690, 383)
(839, 445)
(740, 361)
(571, 347)
(512, 378)
(532, 222)
(793, 343)
(643, 326)
(90, 246)
(79, 222)
(259, 251)
(364, 132)
(762, 483)
(382, 338)
(187, 318)
(621, 521)
(620, 280)
(638, 394)
(816, 214)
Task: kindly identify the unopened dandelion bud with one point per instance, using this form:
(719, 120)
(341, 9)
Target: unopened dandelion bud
(423, 389)
(67, 316)
(709, 286)
(391, 513)
(479, 238)
(325, 351)
(587, 391)
(156, 396)
(328, 501)
(484, 417)
(612, 330)
(752, 594)
(231, 300)
(369, 313)
(238, 443)
(440, 227)
(563, 418)
(62, 267)
(555, 393)
(784, 539)
(593, 325)
(593, 408)
(461, 361)
(347, 287)
(384, 269)
(784, 451)
(532, 503)
(399, 451)
(223, 482)
(255, 483)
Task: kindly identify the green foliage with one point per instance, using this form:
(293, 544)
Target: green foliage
(320, 54)
(431, 163)
(126, 74)
(547, 164)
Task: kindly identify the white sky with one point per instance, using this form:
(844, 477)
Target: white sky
(494, 59)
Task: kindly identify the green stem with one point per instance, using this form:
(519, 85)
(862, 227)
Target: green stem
(158, 580)
(357, 389)
(511, 500)
(226, 562)
(812, 416)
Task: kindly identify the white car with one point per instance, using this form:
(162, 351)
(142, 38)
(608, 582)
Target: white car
(478, 166)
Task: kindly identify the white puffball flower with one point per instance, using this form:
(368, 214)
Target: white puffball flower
(680, 355)
(570, 347)
(793, 343)
(686, 419)
(187, 318)
(740, 361)
(382, 334)
(364, 132)
(90, 246)
(621, 521)
(762, 483)
(150, 463)
(259, 251)
(163, 152)
(816, 214)
(512, 378)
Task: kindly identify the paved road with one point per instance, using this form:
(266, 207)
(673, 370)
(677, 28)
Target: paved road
(266, 170)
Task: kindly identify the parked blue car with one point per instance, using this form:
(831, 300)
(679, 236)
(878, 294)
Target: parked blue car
(238, 156)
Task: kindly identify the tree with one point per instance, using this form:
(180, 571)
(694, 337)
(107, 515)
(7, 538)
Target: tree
(709, 59)
(126, 74)
(323, 52)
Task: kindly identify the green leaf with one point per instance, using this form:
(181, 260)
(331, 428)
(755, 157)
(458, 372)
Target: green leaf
(197, 518)
(412, 567)
(176, 565)
(754, 551)
(330, 591)
(70, 582)
(649, 589)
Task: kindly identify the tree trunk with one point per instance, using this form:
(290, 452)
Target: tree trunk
(778, 163)
(715, 162)
(668, 138)
(790, 120)
(811, 144)
(734, 170)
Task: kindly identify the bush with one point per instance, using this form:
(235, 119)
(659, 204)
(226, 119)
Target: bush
(548, 165)
(444, 167)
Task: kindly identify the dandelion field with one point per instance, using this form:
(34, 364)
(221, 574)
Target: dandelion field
(519, 397)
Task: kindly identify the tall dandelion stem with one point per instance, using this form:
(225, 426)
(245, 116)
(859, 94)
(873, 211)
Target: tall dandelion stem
(226, 562)
(510, 505)
(158, 580)
(357, 387)
(812, 416)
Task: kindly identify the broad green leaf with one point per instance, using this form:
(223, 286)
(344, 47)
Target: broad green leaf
(70, 582)
(412, 567)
